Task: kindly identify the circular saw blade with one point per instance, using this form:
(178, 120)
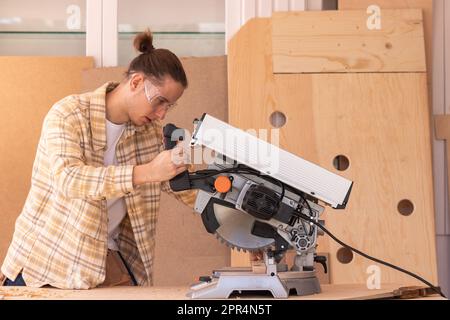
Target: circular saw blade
(236, 229)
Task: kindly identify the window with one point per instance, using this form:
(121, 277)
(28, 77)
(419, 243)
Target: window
(188, 28)
(45, 27)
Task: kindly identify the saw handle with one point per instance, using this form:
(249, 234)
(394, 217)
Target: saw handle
(172, 135)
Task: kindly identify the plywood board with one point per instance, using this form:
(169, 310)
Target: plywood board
(379, 125)
(29, 86)
(386, 138)
(340, 41)
(425, 5)
(184, 250)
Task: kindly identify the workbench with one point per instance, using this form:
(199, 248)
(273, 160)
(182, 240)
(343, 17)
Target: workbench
(329, 292)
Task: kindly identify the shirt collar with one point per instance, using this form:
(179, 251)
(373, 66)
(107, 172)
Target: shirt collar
(97, 115)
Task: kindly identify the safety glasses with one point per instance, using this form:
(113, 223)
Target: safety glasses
(155, 98)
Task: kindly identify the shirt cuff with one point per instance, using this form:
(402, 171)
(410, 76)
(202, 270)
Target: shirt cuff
(125, 176)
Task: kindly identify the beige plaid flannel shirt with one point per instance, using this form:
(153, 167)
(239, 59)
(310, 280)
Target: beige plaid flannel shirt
(60, 237)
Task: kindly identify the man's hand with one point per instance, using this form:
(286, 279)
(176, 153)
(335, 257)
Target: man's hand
(164, 167)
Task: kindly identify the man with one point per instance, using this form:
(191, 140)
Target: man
(90, 217)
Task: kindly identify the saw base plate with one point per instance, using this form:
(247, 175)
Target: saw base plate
(241, 280)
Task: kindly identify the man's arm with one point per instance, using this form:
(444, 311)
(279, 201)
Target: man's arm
(73, 177)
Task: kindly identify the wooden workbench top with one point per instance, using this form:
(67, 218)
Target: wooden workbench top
(329, 292)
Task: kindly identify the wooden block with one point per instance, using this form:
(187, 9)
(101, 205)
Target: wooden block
(259, 267)
(340, 41)
(425, 5)
(442, 127)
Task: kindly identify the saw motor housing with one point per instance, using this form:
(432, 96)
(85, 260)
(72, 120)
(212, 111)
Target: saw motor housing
(262, 220)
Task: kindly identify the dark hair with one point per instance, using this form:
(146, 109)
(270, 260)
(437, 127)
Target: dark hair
(155, 63)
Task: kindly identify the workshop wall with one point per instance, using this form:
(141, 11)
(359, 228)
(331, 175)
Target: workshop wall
(29, 87)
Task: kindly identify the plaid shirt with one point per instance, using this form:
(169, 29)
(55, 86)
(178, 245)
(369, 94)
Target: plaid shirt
(60, 237)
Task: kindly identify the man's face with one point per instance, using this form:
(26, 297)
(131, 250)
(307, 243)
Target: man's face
(151, 100)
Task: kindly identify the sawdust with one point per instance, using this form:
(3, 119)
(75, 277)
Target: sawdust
(21, 293)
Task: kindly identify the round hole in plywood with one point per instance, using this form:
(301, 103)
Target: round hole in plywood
(341, 163)
(405, 207)
(278, 119)
(344, 255)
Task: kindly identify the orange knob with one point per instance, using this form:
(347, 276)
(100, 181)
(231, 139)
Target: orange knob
(222, 184)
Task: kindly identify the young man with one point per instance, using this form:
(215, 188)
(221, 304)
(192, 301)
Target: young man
(90, 217)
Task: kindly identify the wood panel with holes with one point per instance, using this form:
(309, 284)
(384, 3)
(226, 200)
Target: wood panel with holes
(373, 125)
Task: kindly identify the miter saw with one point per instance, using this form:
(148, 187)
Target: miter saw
(252, 197)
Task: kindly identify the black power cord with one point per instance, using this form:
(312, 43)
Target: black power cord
(390, 265)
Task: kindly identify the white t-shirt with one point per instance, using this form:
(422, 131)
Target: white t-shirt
(116, 207)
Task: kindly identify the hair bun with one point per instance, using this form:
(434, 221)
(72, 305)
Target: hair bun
(143, 42)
